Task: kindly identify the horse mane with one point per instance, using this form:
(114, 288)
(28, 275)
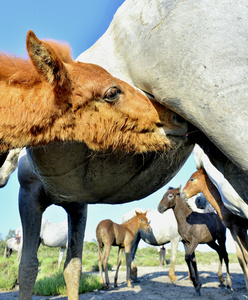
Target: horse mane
(131, 218)
(17, 70)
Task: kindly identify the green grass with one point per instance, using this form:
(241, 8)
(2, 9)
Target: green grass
(50, 281)
(8, 272)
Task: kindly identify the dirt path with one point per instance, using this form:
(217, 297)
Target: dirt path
(155, 284)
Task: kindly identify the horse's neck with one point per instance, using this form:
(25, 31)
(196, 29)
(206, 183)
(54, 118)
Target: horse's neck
(24, 113)
(133, 225)
(181, 211)
(213, 196)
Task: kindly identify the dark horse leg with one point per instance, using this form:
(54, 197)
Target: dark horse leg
(134, 269)
(193, 272)
(77, 215)
(221, 250)
(32, 202)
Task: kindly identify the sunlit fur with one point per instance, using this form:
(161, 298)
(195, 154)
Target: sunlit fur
(49, 97)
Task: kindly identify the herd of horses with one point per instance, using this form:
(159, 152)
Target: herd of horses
(92, 138)
(195, 215)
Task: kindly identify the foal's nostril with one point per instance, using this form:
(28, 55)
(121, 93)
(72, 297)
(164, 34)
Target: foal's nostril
(178, 119)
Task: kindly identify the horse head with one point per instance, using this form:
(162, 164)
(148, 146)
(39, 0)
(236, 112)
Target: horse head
(195, 184)
(169, 199)
(58, 99)
(144, 224)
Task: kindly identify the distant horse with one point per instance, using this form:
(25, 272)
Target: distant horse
(163, 230)
(52, 235)
(200, 182)
(55, 235)
(110, 234)
(197, 229)
(12, 244)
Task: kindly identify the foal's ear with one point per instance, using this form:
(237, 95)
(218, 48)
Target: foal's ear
(178, 189)
(45, 59)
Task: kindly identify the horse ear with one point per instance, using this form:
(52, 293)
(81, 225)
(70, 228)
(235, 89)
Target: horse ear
(178, 189)
(137, 213)
(45, 59)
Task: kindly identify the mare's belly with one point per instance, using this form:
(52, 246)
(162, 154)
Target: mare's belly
(72, 172)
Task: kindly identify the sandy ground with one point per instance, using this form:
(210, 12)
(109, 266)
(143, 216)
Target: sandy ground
(155, 284)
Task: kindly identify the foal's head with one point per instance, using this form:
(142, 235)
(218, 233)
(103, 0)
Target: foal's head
(169, 199)
(195, 184)
(143, 221)
(75, 101)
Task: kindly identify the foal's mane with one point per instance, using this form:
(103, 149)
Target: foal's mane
(17, 70)
(131, 218)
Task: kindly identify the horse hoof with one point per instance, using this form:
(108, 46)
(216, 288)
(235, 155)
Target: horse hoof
(198, 290)
(174, 280)
(229, 289)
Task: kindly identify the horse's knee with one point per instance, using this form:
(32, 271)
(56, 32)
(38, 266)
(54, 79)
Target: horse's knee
(188, 257)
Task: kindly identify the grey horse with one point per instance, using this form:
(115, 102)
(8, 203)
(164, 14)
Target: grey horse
(11, 245)
(51, 235)
(193, 61)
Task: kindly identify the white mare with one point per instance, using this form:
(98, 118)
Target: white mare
(12, 244)
(51, 235)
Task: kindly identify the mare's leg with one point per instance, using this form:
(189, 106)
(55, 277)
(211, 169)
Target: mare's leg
(118, 265)
(241, 242)
(174, 246)
(32, 203)
(191, 262)
(61, 254)
(77, 214)
(134, 269)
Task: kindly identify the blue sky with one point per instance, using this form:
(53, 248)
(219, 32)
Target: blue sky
(80, 23)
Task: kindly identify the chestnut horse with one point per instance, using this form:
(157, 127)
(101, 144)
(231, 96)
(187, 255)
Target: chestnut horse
(50, 99)
(196, 228)
(109, 233)
(200, 182)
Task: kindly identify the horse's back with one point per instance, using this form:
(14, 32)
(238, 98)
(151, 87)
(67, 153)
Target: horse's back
(54, 234)
(105, 231)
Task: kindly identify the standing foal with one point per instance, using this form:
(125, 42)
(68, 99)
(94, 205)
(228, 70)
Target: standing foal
(238, 226)
(109, 233)
(196, 228)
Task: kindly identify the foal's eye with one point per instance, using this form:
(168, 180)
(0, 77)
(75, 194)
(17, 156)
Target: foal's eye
(112, 94)
(142, 220)
(170, 196)
(192, 179)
